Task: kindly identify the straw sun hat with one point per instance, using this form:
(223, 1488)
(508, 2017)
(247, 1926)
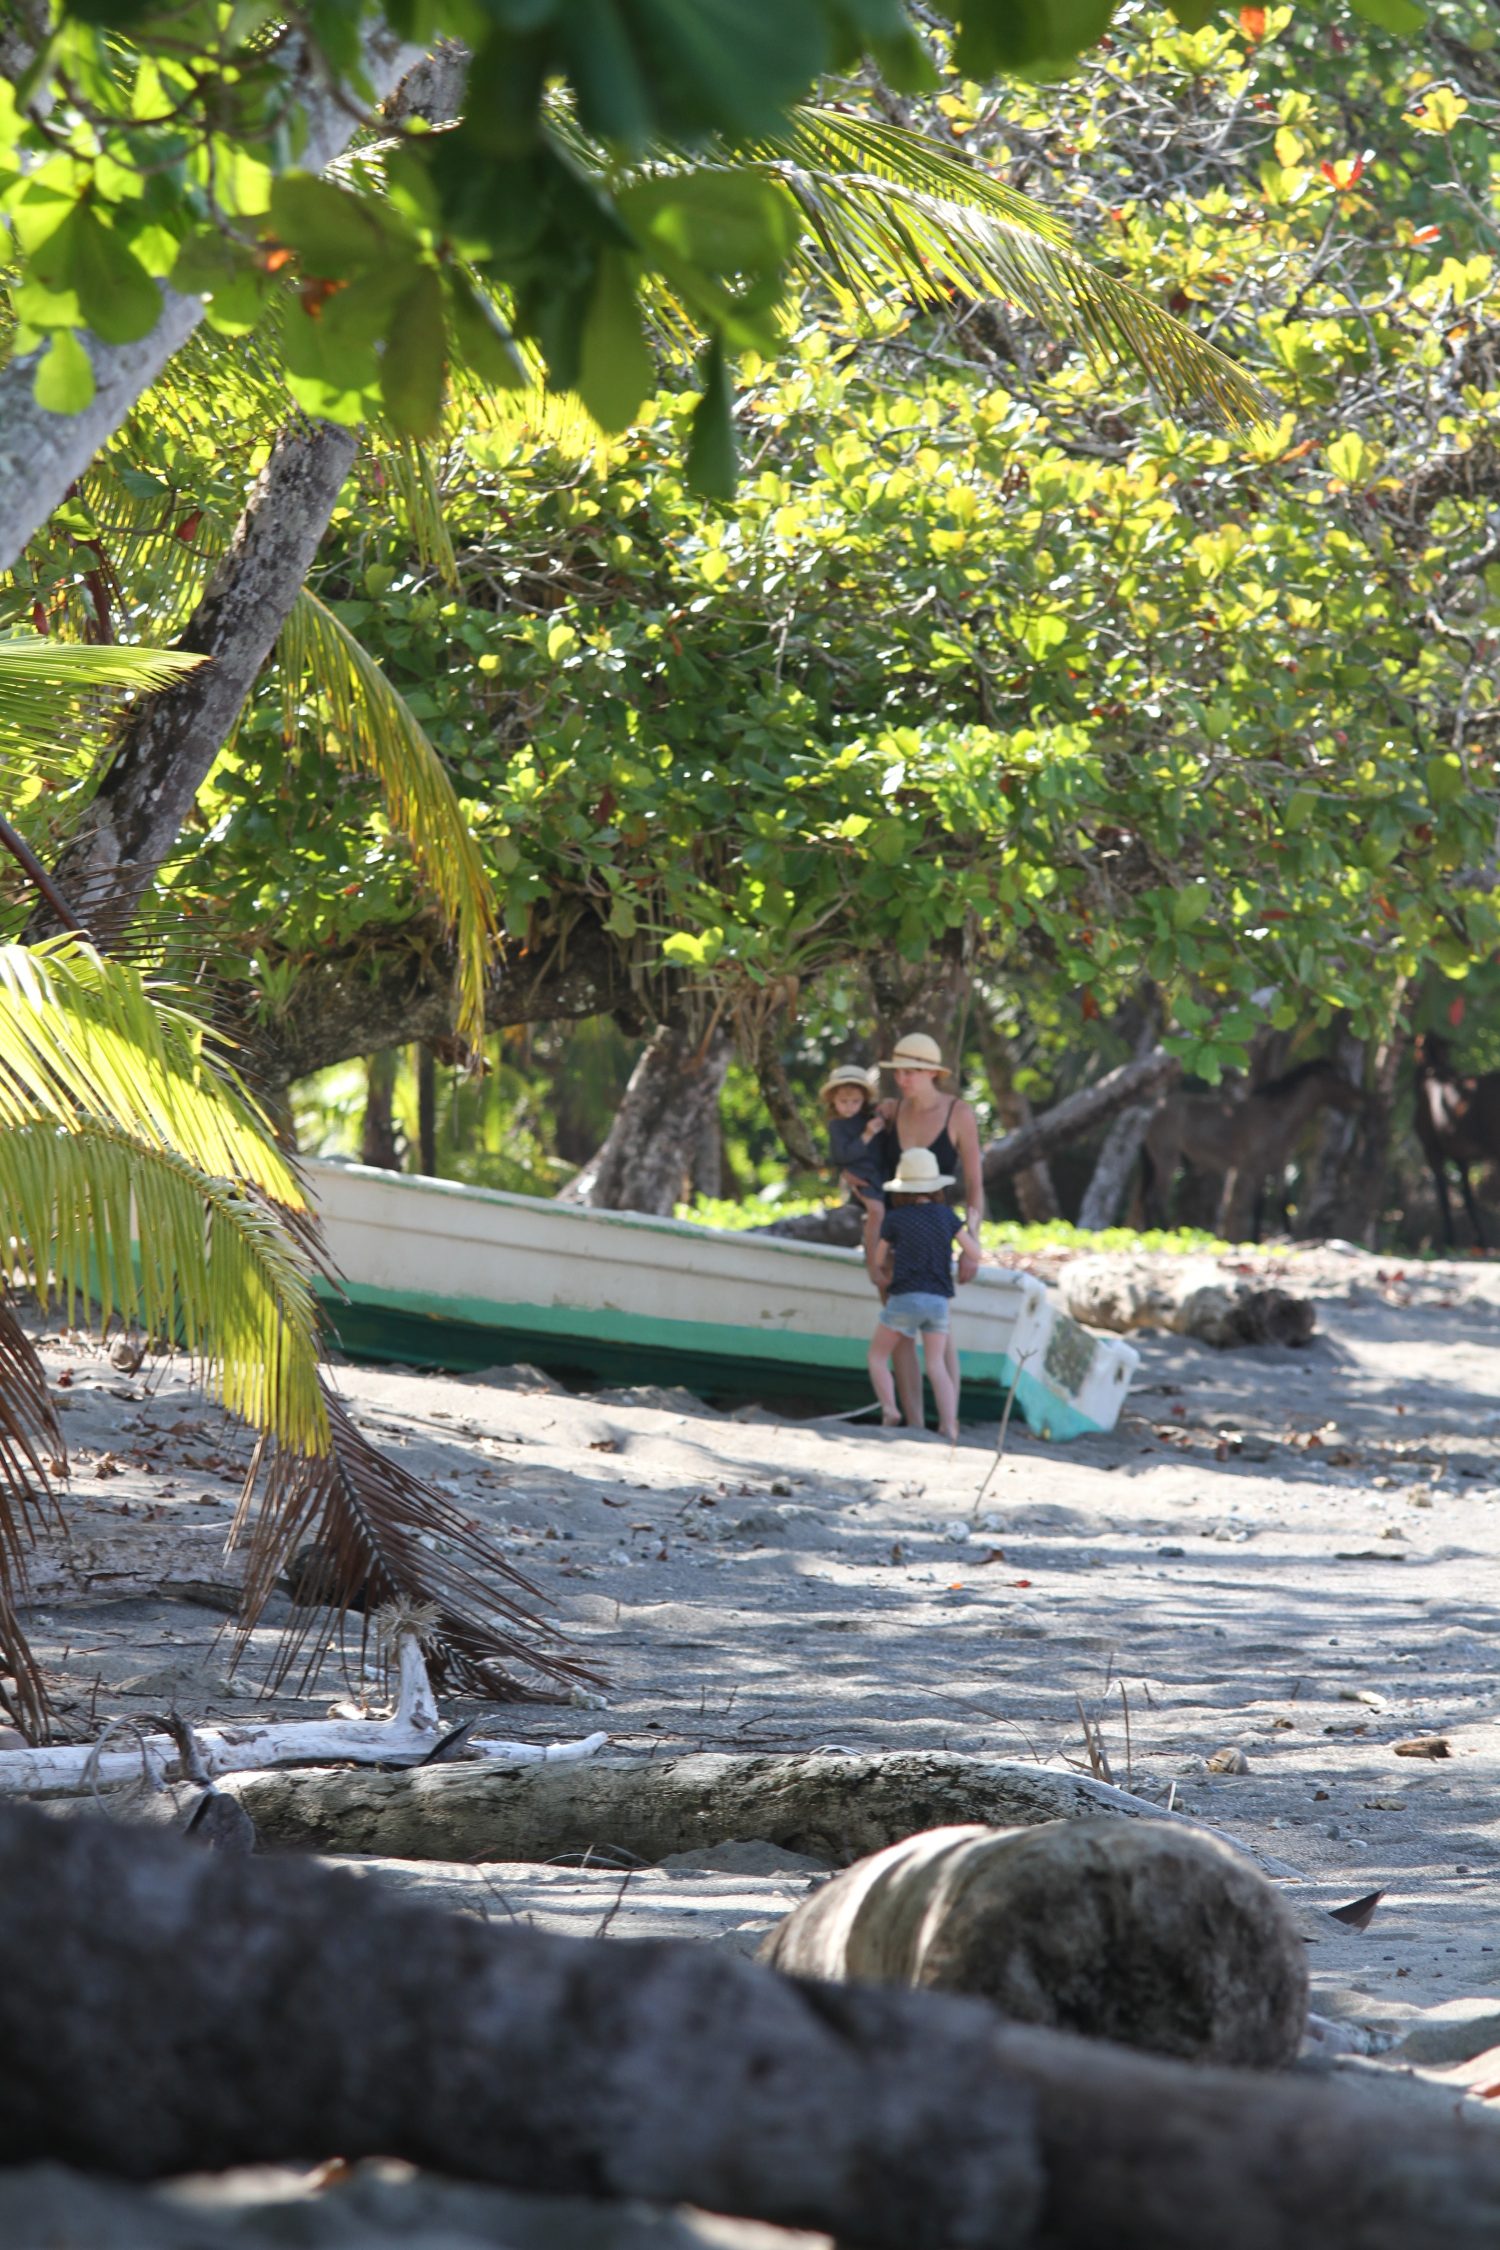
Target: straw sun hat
(917, 1174)
(915, 1051)
(848, 1074)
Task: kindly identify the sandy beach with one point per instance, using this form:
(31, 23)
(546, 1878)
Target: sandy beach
(1290, 1555)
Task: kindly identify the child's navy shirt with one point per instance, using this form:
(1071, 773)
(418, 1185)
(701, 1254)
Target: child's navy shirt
(851, 1153)
(921, 1236)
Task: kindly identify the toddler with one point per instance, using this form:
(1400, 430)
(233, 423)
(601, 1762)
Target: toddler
(915, 1261)
(856, 1133)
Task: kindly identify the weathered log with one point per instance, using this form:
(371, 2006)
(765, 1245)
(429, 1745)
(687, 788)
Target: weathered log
(1135, 1081)
(220, 2011)
(1188, 1299)
(842, 1224)
(834, 1809)
(1139, 1932)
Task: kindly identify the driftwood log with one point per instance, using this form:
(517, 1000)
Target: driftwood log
(220, 2011)
(835, 1809)
(1188, 1299)
(1138, 1932)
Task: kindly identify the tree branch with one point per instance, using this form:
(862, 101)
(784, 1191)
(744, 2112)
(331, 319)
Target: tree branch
(1132, 1082)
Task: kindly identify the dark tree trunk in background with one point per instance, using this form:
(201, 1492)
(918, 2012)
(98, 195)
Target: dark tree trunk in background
(1149, 1077)
(426, 1112)
(1036, 1197)
(377, 1140)
(673, 1093)
(172, 738)
(1346, 1176)
(930, 995)
(706, 1165)
(170, 2011)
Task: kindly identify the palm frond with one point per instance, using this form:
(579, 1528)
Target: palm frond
(361, 717)
(410, 471)
(84, 1033)
(364, 1532)
(910, 226)
(106, 1216)
(31, 1438)
(44, 681)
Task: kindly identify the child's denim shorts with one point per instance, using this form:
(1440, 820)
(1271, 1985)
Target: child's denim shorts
(916, 1315)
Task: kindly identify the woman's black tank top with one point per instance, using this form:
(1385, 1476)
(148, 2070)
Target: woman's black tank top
(942, 1148)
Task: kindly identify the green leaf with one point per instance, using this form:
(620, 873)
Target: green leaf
(616, 372)
(725, 222)
(1445, 778)
(1402, 16)
(414, 364)
(335, 234)
(64, 378)
(1190, 904)
(712, 459)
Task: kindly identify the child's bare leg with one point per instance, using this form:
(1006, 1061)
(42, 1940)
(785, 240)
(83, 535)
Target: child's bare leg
(882, 1344)
(954, 1376)
(935, 1349)
(909, 1382)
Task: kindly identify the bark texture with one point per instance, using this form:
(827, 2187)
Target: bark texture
(1134, 1931)
(833, 1809)
(1036, 1197)
(397, 984)
(1066, 1120)
(378, 1145)
(1116, 1161)
(173, 737)
(219, 2011)
(43, 454)
(673, 1094)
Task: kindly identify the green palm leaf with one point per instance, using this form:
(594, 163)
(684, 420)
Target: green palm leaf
(362, 718)
(886, 210)
(137, 1174)
(83, 1032)
(110, 1216)
(43, 682)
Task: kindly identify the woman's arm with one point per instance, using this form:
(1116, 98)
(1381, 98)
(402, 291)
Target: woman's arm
(964, 1127)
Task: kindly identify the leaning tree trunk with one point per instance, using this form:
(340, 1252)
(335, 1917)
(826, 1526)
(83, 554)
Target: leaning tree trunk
(216, 2011)
(1116, 1162)
(173, 737)
(43, 454)
(1149, 1076)
(648, 1153)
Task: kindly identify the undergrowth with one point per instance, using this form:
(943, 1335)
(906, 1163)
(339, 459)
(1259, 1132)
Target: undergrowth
(1029, 1241)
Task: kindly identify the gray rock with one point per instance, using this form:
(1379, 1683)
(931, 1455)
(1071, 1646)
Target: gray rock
(1137, 1931)
(747, 1858)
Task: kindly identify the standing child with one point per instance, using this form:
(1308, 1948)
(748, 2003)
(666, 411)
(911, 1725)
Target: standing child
(917, 1238)
(856, 1132)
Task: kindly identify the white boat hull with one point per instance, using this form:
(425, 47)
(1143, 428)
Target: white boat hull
(440, 1274)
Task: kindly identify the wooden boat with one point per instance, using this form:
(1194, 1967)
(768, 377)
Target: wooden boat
(437, 1274)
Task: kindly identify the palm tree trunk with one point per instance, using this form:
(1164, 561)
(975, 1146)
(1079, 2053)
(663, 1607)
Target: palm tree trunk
(173, 737)
(304, 2016)
(42, 455)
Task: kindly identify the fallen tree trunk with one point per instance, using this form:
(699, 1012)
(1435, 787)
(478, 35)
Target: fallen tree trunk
(842, 1224)
(833, 1809)
(1132, 1082)
(220, 2012)
(1140, 1932)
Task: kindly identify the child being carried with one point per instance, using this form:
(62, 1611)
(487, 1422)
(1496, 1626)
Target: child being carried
(856, 1133)
(915, 1260)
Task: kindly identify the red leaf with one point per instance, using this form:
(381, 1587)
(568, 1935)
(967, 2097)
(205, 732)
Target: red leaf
(1427, 234)
(39, 618)
(1090, 1007)
(1253, 23)
(187, 530)
(1456, 1012)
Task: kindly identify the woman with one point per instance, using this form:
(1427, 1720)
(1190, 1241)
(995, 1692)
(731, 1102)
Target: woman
(925, 1115)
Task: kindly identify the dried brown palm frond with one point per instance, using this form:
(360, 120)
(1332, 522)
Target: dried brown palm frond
(30, 1438)
(364, 1532)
